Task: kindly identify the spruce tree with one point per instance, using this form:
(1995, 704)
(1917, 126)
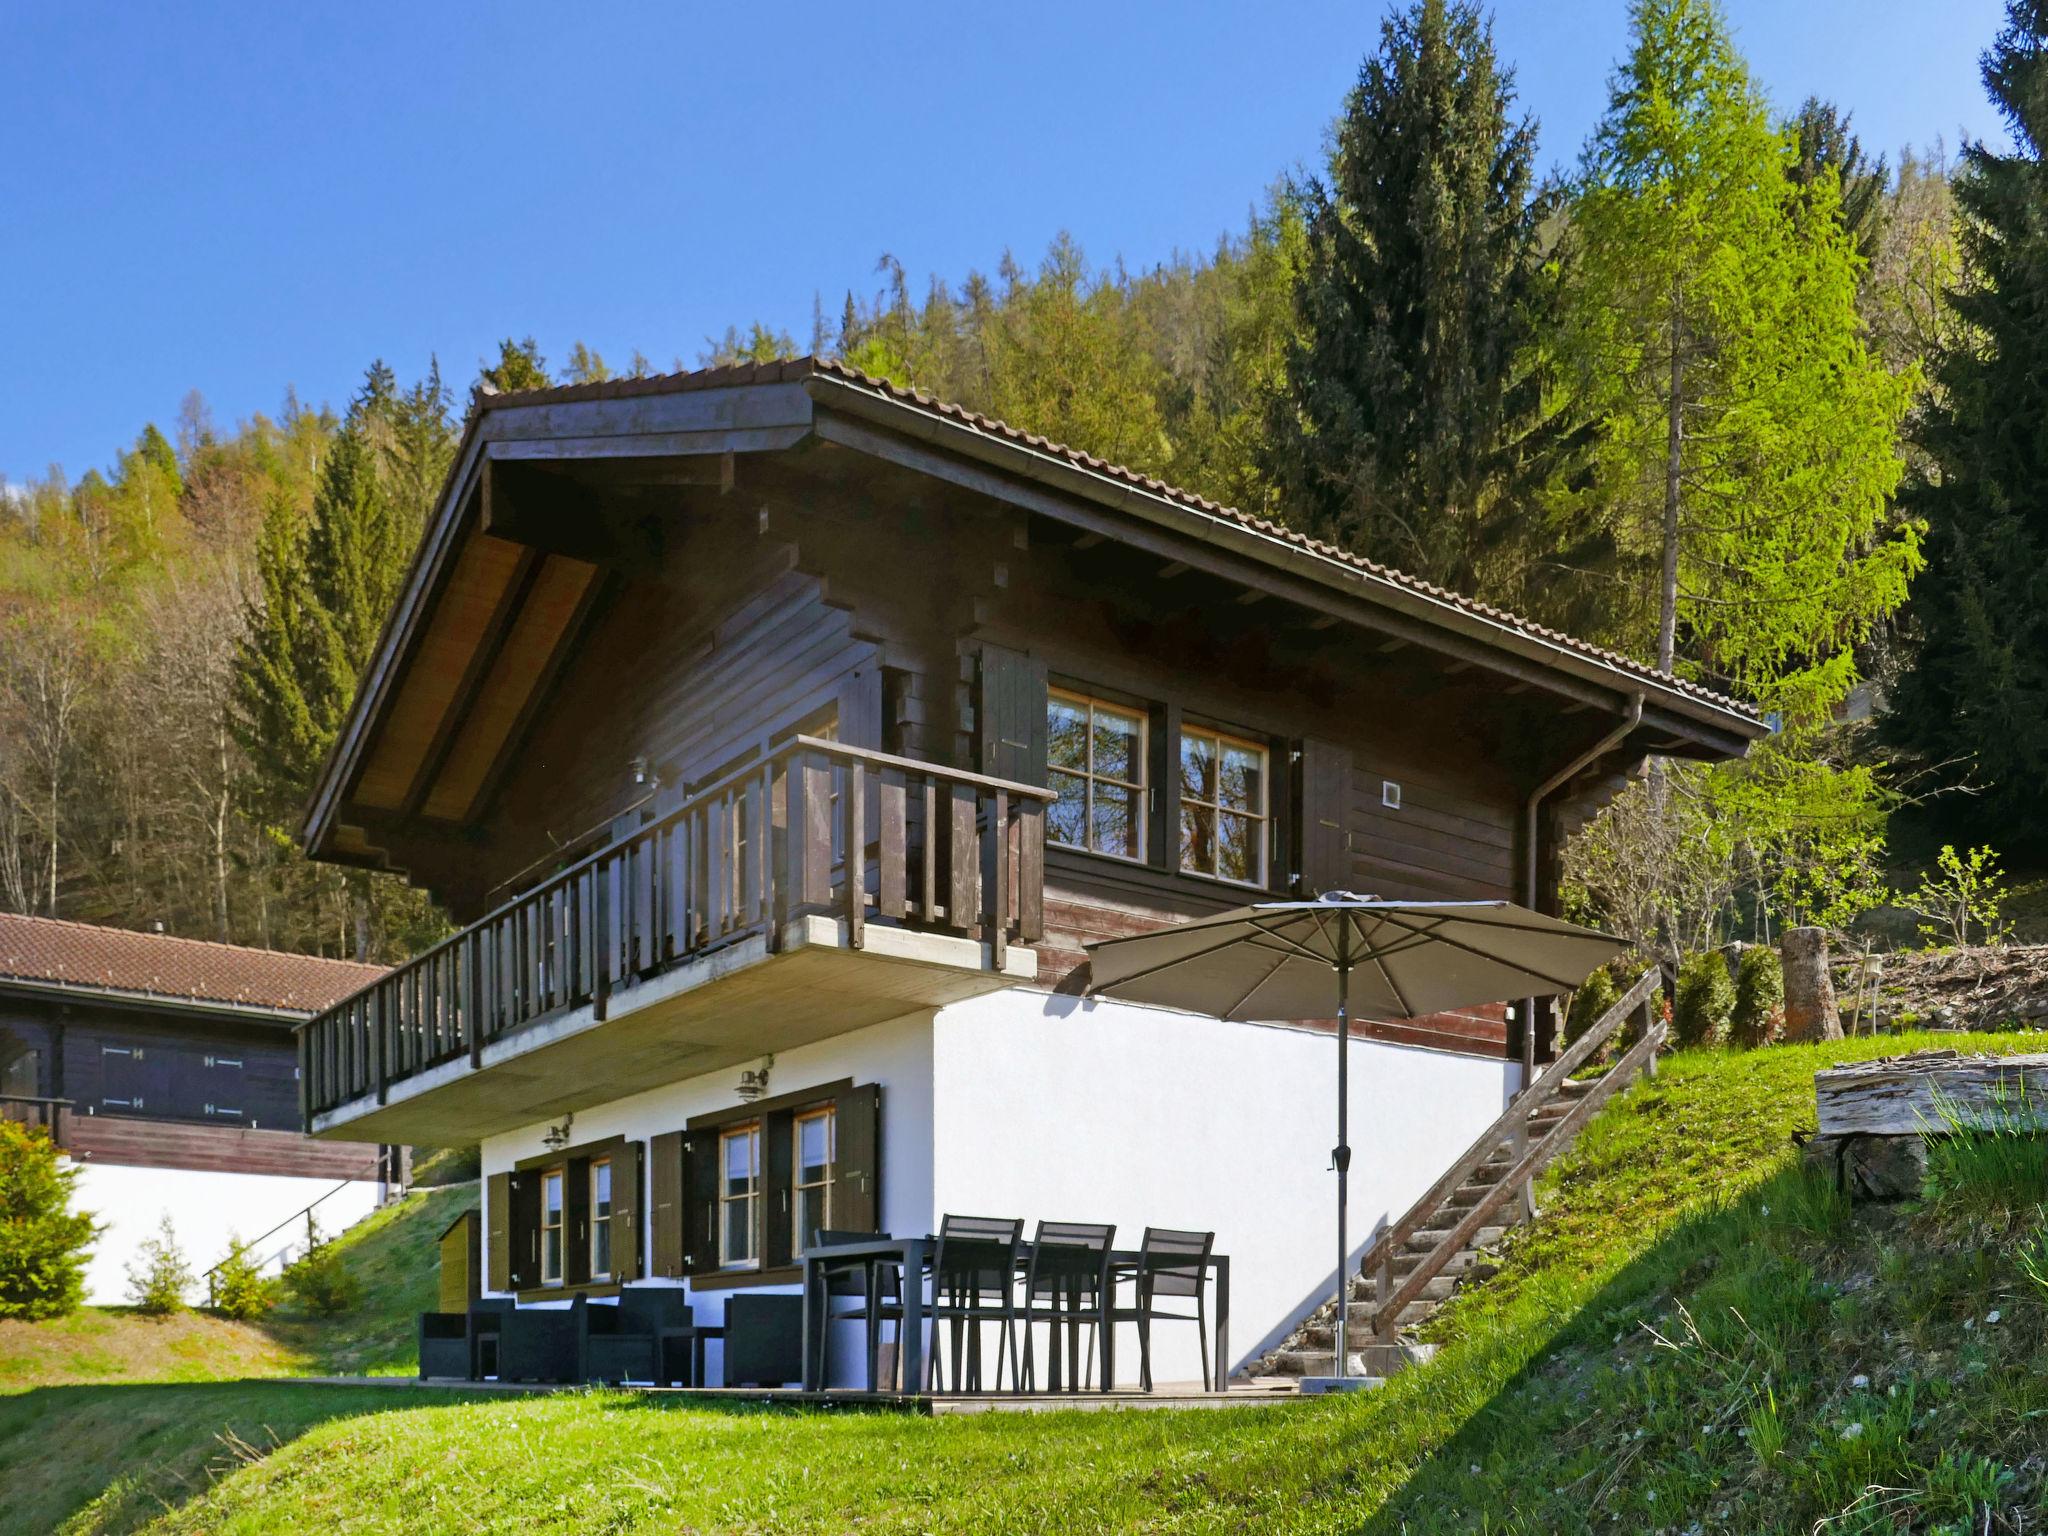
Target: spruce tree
(1411, 426)
(1972, 701)
(519, 366)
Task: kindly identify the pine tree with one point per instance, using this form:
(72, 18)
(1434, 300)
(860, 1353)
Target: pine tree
(519, 366)
(1823, 143)
(1748, 436)
(1412, 427)
(1972, 702)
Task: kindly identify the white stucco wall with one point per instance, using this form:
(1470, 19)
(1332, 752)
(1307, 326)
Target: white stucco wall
(1027, 1104)
(1052, 1107)
(207, 1210)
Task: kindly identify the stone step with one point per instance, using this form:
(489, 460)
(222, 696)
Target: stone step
(1314, 1362)
(1426, 1241)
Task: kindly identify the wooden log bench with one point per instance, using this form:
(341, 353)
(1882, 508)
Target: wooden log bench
(1874, 1117)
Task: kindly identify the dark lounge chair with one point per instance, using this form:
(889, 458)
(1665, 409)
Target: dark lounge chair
(540, 1343)
(444, 1347)
(630, 1340)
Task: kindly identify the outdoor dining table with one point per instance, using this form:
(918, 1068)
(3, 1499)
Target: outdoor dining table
(912, 1256)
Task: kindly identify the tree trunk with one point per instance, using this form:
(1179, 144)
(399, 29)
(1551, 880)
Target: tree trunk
(1809, 992)
(1674, 457)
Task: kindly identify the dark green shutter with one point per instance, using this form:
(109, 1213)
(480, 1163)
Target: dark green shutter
(778, 1181)
(1325, 817)
(576, 1220)
(523, 1231)
(498, 1210)
(857, 1188)
(665, 1205)
(700, 1204)
(1010, 715)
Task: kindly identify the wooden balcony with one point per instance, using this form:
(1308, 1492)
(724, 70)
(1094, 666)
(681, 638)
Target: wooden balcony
(823, 889)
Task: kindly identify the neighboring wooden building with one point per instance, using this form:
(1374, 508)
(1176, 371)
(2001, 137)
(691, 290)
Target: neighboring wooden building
(774, 711)
(167, 1068)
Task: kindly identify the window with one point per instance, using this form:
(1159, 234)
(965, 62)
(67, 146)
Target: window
(1096, 760)
(551, 1227)
(739, 1194)
(1223, 806)
(813, 1132)
(601, 1219)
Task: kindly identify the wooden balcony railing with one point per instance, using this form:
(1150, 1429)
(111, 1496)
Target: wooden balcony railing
(818, 827)
(50, 1114)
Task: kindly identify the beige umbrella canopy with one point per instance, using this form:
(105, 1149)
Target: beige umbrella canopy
(1314, 959)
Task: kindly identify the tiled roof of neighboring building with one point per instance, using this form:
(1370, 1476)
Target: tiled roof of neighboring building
(796, 370)
(52, 951)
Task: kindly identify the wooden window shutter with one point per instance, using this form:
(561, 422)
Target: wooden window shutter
(576, 1220)
(523, 1230)
(498, 1242)
(626, 1172)
(857, 1190)
(1009, 715)
(665, 1205)
(778, 1189)
(700, 1202)
(1324, 817)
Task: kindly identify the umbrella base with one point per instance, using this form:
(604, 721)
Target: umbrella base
(1317, 1386)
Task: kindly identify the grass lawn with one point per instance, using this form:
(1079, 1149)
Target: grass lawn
(1697, 1337)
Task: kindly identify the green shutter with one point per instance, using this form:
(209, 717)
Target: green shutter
(576, 1221)
(665, 1205)
(857, 1188)
(778, 1179)
(498, 1209)
(700, 1202)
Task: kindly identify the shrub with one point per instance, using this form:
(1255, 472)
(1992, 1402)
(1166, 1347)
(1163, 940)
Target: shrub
(240, 1289)
(1705, 999)
(43, 1242)
(1594, 996)
(1759, 998)
(1970, 891)
(319, 1280)
(159, 1275)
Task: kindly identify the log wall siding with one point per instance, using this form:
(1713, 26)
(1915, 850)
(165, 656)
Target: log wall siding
(139, 1143)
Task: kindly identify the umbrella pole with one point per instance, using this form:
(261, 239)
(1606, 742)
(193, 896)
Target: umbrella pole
(1342, 1155)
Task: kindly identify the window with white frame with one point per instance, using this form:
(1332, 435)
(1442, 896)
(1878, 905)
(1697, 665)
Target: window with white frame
(814, 1132)
(551, 1226)
(1224, 806)
(1095, 757)
(739, 1195)
(601, 1219)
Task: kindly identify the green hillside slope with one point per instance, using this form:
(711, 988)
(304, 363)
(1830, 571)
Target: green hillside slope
(1696, 1337)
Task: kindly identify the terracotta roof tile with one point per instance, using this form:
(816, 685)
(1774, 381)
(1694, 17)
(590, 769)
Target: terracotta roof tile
(796, 369)
(44, 949)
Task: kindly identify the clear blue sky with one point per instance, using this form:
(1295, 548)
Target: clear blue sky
(237, 199)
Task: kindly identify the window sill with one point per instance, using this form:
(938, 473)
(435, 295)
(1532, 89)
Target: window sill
(1108, 869)
(744, 1279)
(568, 1292)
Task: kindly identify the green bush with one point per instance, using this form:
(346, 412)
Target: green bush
(1759, 998)
(319, 1280)
(1706, 997)
(159, 1276)
(240, 1289)
(43, 1242)
(1594, 996)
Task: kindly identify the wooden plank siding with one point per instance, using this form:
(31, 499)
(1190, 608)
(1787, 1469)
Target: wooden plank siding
(141, 1143)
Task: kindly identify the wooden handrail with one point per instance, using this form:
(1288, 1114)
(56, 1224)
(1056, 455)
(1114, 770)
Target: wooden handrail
(1489, 1141)
(1531, 1163)
(716, 868)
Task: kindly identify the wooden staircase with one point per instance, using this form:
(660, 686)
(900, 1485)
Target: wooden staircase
(1446, 1237)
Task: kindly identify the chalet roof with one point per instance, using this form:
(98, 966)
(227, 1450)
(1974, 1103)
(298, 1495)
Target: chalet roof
(45, 951)
(798, 370)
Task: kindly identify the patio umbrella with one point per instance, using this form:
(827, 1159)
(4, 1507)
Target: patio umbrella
(1315, 959)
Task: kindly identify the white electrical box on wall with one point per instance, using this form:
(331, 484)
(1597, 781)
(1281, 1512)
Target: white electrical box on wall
(1390, 794)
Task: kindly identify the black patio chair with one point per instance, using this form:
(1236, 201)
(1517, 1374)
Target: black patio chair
(628, 1341)
(1172, 1265)
(444, 1347)
(974, 1283)
(879, 1285)
(541, 1343)
(486, 1323)
(764, 1340)
(1068, 1284)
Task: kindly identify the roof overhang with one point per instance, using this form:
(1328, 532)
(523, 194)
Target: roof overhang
(151, 1002)
(778, 407)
